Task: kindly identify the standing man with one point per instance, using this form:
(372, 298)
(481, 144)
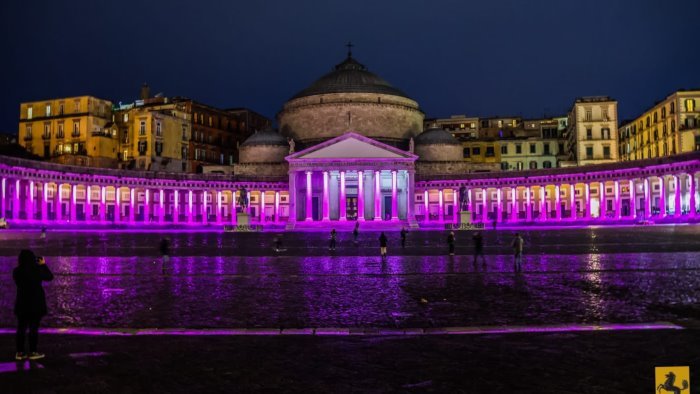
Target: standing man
(356, 233)
(478, 248)
(517, 246)
(331, 246)
(30, 305)
(382, 245)
(451, 243)
(403, 236)
(165, 253)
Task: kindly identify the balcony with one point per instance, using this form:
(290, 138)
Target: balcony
(46, 136)
(99, 133)
(28, 137)
(75, 134)
(59, 136)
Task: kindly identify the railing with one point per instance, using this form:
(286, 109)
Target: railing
(74, 134)
(101, 134)
(27, 137)
(46, 137)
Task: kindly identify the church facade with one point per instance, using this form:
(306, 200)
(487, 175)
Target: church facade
(351, 147)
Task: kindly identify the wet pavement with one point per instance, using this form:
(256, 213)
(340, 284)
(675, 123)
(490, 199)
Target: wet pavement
(219, 280)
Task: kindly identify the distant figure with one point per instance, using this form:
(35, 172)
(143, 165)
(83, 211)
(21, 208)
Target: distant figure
(403, 236)
(278, 243)
(463, 199)
(243, 198)
(291, 143)
(30, 305)
(411, 145)
(451, 242)
(517, 245)
(43, 233)
(356, 233)
(495, 223)
(165, 253)
(331, 246)
(382, 245)
(479, 248)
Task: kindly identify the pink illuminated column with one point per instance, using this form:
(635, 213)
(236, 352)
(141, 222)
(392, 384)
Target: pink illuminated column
(277, 206)
(44, 202)
(16, 207)
(377, 196)
(425, 204)
(132, 204)
(543, 204)
(147, 206)
(455, 206)
(360, 196)
(603, 208)
(103, 204)
(528, 203)
(514, 204)
(647, 199)
(87, 208)
(471, 202)
(499, 208)
(248, 208)
(218, 207)
(58, 204)
(662, 197)
(190, 213)
(205, 215)
(262, 206)
(234, 210)
(691, 198)
(343, 198)
(73, 208)
(572, 200)
(557, 201)
(3, 205)
(441, 208)
(410, 197)
(485, 205)
(161, 206)
(309, 209)
(30, 202)
(394, 199)
(176, 206)
(587, 196)
(633, 198)
(326, 198)
(677, 200)
(618, 204)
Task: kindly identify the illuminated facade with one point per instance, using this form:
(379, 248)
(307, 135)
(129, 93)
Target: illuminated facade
(592, 131)
(670, 127)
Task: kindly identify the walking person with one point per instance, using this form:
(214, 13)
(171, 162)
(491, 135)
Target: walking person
(451, 243)
(403, 237)
(479, 248)
(517, 246)
(331, 246)
(356, 233)
(278, 243)
(43, 233)
(165, 253)
(382, 245)
(30, 305)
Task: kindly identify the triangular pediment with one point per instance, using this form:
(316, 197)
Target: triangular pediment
(352, 146)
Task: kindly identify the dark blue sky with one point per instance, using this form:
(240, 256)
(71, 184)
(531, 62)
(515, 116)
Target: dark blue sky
(510, 57)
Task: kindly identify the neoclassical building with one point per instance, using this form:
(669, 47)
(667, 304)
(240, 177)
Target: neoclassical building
(351, 147)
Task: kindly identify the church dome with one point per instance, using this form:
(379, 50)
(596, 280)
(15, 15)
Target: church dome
(350, 77)
(435, 135)
(268, 136)
(266, 146)
(436, 144)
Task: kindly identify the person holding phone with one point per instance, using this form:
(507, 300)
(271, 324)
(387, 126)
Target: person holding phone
(30, 305)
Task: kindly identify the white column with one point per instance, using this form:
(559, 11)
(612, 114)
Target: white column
(360, 196)
(176, 206)
(3, 204)
(161, 203)
(633, 198)
(262, 206)
(588, 200)
(485, 205)
(205, 216)
(529, 204)
(326, 199)
(190, 212)
(44, 202)
(677, 200)
(277, 206)
(218, 207)
(426, 206)
(117, 204)
(394, 201)
(377, 196)
(132, 205)
(343, 198)
(543, 204)
(514, 204)
(557, 201)
(602, 201)
(572, 200)
(455, 206)
(73, 197)
(662, 196)
(691, 190)
(647, 199)
(441, 207)
(618, 203)
(309, 208)
(103, 204)
(499, 209)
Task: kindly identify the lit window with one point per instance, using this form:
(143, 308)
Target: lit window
(690, 105)
(142, 128)
(158, 130)
(48, 109)
(126, 117)
(589, 114)
(30, 112)
(76, 128)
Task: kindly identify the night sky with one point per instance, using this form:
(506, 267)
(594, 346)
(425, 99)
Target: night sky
(516, 57)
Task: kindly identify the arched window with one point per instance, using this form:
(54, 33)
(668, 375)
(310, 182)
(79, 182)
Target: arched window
(673, 107)
(547, 164)
(655, 118)
(665, 149)
(663, 113)
(533, 165)
(648, 121)
(690, 105)
(664, 130)
(673, 126)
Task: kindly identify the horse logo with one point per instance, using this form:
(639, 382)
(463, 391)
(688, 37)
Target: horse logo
(666, 379)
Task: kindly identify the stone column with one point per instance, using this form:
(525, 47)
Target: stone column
(30, 202)
(292, 200)
(499, 208)
(190, 212)
(161, 201)
(73, 207)
(87, 207)
(277, 206)
(394, 201)
(677, 201)
(176, 206)
(557, 201)
(529, 205)
(647, 199)
(485, 205)
(309, 208)
(16, 206)
(58, 204)
(572, 200)
(377, 196)
(514, 204)
(411, 198)
(603, 210)
(44, 202)
(326, 198)
(3, 203)
(618, 202)
(147, 206)
(117, 202)
(103, 203)
(587, 192)
(691, 199)
(132, 204)
(218, 207)
(455, 206)
(426, 205)
(234, 209)
(343, 198)
(262, 207)
(441, 206)
(543, 204)
(360, 196)
(205, 216)
(633, 198)
(662, 197)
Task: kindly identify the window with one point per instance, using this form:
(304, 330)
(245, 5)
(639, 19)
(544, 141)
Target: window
(673, 126)
(518, 149)
(533, 165)
(30, 112)
(519, 165)
(159, 132)
(465, 152)
(589, 152)
(476, 151)
(504, 165)
(48, 109)
(648, 121)
(663, 113)
(47, 130)
(60, 109)
(76, 128)
(589, 133)
(546, 149)
(461, 125)
(184, 153)
(606, 152)
(504, 150)
(673, 108)
(184, 132)
(547, 164)
(28, 135)
(159, 148)
(500, 123)
(560, 148)
(690, 105)
(490, 151)
(76, 105)
(210, 121)
(605, 113)
(589, 115)
(59, 132)
(656, 119)
(606, 133)
(142, 127)
(143, 146)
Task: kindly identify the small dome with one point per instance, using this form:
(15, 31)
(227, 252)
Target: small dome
(350, 77)
(267, 136)
(435, 135)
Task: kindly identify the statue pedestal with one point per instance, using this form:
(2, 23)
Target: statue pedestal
(242, 219)
(465, 217)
